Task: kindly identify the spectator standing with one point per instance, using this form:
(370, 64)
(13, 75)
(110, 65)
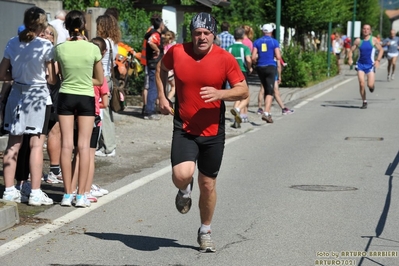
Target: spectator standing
(199, 122)
(29, 92)
(265, 53)
(226, 39)
(154, 53)
(365, 64)
(392, 53)
(54, 133)
(337, 46)
(169, 41)
(347, 47)
(59, 24)
(101, 101)
(108, 29)
(81, 68)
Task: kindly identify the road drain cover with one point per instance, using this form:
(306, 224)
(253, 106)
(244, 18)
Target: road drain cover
(323, 188)
(365, 138)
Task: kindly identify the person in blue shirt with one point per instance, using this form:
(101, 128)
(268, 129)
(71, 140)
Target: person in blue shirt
(266, 50)
(366, 64)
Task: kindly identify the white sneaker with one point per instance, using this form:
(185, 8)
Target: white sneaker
(39, 199)
(14, 195)
(101, 153)
(67, 200)
(97, 188)
(90, 197)
(96, 193)
(392, 76)
(82, 201)
(53, 179)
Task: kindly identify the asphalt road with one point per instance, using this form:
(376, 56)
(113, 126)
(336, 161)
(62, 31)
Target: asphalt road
(315, 187)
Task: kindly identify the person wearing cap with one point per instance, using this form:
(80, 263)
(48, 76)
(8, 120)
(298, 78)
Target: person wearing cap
(199, 116)
(365, 64)
(265, 53)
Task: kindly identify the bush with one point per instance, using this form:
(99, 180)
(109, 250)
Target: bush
(295, 74)
(305, 67)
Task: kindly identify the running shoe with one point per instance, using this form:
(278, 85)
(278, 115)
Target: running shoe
(51, 178)
(14, 195)
(372, 89)
(236, 125)
(236, 114)
(97, 188)
(90, 197)
(100, 153)
(260, 111)
(364, 106)
(39, 199)
(392, 76)
(287, 111)
(67, 200)
(245, 119)
(205, 242)
(267, 118)
(82, 201)
(388, 78)
(183, 202)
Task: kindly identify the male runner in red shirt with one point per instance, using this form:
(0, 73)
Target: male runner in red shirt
(200, 69)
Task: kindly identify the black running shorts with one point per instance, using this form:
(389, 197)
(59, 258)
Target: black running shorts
(71, 104)
(207, 151)
(267, 76)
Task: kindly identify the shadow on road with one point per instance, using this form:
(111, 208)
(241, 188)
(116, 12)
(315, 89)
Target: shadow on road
(143, 243)
(341, 104)
(383, 218)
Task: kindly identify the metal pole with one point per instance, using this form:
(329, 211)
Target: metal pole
(353, 29)
(382, 11)
(278, 19)
(329, 48)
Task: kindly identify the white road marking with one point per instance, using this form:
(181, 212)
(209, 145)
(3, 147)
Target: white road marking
(77, 213)
(299, 105)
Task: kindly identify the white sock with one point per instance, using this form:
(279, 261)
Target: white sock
(187, 191)
(205, 228)
(266, 113)
(8, 189)
(36, 191)
(238, 109)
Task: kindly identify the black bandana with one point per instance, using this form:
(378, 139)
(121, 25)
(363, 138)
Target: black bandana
(205, 21)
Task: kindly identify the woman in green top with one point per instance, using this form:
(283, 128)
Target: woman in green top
(81, 68)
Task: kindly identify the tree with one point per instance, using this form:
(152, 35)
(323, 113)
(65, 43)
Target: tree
(368, 12)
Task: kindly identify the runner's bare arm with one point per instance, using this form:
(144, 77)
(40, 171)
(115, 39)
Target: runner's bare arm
(353, 48)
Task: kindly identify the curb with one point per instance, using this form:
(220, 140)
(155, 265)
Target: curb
(8, 215)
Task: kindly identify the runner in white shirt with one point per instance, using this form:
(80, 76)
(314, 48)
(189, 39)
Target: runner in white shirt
(392, 55)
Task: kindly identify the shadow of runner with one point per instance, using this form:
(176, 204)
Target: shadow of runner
(143, 243)
(383, 218)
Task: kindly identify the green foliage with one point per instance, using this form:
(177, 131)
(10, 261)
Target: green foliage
(305, 16)
(368, 12)
(305, 68)
(295, 74)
